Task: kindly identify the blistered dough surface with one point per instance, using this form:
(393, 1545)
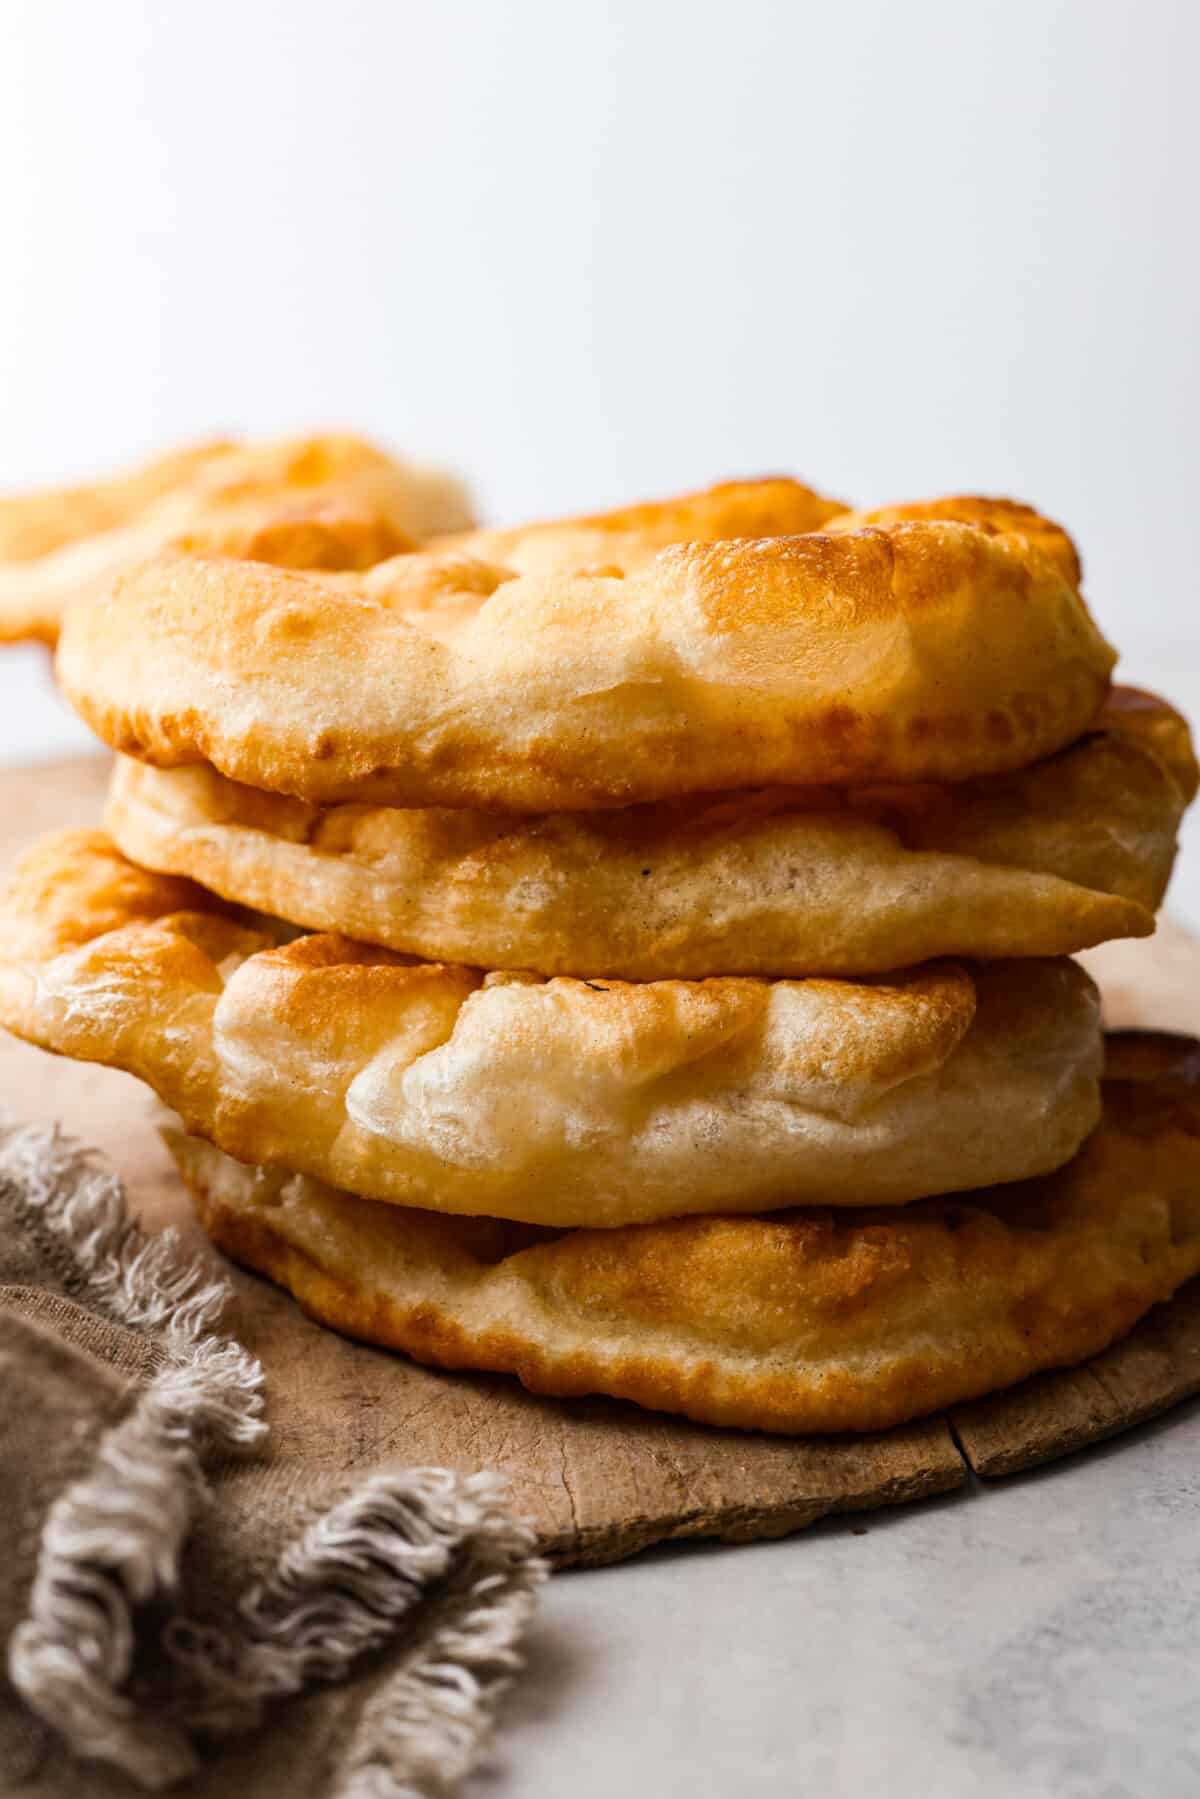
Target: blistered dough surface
(790, 1321)
(332, 502)
(792, 881)
(921, 649)
(554, 1101)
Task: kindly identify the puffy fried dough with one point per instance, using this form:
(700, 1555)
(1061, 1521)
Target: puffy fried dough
(1054, 858)
(35, 523)
(795, 1321)
(631, 536)
(310, 502)
(992, 515)
(556, 1102)
(924, 650)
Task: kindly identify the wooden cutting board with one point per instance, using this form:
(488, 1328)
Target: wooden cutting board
(602, 1479)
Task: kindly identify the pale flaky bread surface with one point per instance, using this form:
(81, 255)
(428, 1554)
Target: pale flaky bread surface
(330, 502)
(1048, 860)
(926, 649)
(555, 1102)
(794, 1321)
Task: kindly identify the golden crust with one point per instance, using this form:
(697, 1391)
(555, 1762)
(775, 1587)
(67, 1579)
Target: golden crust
(1143, 718)
(796, 1321)
(1052, 859)
(332, 502)
(997, 517)
(630, 537)
(555, 1102)
(34, 524)
(924, 650)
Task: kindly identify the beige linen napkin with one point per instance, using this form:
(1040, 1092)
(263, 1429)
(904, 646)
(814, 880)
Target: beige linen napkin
(178, 1610)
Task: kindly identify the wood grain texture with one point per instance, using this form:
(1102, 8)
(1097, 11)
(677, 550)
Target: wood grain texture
(600, 1479)
(1156, 1367)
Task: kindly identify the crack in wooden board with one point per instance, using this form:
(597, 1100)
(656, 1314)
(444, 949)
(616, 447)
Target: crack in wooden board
(1052, 1415)
(600, 1479)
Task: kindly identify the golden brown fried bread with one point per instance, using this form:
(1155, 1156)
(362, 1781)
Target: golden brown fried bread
(556, 1102)
(33, 524)
(992, 515)
(333, 502)
(1145, 719)
(787, 881)
(794, 1321)
(925, 650)
(629, 537)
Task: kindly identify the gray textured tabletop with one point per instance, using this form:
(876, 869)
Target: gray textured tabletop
(1034, 1636)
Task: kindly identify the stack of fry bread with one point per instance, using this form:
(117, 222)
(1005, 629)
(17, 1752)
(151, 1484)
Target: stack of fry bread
(632, 952)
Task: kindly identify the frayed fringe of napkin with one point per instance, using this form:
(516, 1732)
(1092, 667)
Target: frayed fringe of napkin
(422, 1541)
